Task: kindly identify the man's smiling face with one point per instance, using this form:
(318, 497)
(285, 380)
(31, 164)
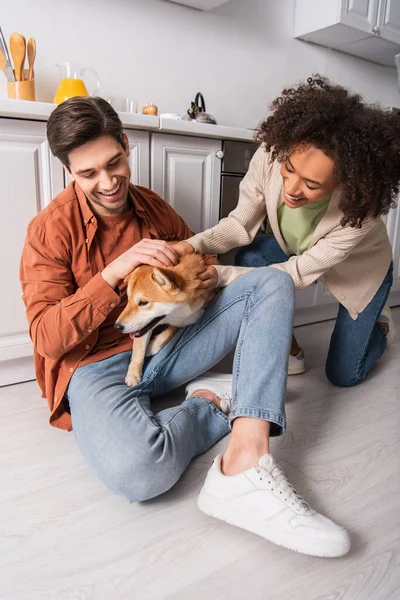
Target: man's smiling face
(101, 169)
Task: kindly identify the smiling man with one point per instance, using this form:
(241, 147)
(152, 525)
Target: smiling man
(77, 253)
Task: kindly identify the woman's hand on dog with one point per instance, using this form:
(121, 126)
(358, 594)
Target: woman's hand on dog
(209, 281)
(209, 278)
(146, 252)
(183, 248)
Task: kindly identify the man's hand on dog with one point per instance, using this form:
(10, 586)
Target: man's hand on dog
(146, 252)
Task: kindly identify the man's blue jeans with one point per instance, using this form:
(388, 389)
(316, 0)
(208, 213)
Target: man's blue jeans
(141, 453)
(355, 345)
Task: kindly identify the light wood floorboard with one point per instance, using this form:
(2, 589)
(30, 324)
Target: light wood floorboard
(64, 536)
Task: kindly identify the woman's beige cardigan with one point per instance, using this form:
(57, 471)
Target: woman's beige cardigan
(351, 262)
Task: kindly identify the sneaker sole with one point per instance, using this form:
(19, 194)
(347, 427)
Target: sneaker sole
(297, 370)
(215, 507)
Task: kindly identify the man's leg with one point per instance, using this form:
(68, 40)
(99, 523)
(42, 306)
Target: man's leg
(357, 345)
(263, 252)
(140, 454)
(245, 487)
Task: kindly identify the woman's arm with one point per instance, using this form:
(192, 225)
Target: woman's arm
(326, 253)
(241, 225)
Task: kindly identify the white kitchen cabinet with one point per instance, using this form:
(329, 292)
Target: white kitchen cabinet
(139, 158)
(186, 172)
(393, 226)
(366, 28)
(29, 179)
(389, 20)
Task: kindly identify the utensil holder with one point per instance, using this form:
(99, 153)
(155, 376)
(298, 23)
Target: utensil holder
(22, 90)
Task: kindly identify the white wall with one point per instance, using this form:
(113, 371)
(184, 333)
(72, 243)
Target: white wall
(238, 56)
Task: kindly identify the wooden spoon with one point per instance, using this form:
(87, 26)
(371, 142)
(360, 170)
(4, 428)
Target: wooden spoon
(18, 50)
(3, 61)
(31, 55)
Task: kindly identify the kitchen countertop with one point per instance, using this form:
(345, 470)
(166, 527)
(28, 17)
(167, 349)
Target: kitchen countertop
(40, 111)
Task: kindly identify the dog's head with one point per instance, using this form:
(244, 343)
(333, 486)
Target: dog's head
(155, 297)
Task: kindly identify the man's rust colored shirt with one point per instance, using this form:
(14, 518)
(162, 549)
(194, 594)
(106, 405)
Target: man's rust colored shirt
(70, 308)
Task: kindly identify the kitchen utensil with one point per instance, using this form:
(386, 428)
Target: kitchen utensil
(72, 83)
(197, 111)
(4, 47)
(31, 51)
(18, 51)
(8, 70)
(22, 90)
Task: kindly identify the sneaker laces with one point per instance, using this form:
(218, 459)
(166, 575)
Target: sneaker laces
(284, 488)
(226, 403)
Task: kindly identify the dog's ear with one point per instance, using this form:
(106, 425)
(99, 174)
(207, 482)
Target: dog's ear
(164, 280)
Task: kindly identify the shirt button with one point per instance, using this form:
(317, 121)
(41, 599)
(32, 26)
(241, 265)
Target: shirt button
(87, 346)
(92, 220)
(90, 330)
(55, 399)
(112, 304)
(71, 369)
(343, 297)
(84, 222)
(87, 241)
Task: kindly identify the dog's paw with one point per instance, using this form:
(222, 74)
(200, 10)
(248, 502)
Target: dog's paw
(132, 379)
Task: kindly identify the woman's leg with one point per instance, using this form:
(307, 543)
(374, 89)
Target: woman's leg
(262, 252)
(357, 345)
(140, 454)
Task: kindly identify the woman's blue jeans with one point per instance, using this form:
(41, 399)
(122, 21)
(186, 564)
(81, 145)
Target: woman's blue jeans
(355, 345)
(139, 452)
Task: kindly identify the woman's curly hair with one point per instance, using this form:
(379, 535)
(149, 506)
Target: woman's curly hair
(363, 141)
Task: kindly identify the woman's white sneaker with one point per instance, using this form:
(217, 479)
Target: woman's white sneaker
(387, 317)
(262, 501)
(297, 364)
(219, 384)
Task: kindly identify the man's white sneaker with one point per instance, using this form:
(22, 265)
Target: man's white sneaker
(297, 364)
(261, 500)
(387, 317)
(219, 384)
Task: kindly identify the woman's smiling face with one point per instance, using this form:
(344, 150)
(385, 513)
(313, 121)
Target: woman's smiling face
(308, 176)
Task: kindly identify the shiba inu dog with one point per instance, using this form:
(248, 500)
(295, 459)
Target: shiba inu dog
(159, 302)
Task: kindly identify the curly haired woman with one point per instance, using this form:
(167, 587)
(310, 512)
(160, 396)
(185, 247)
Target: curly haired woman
(327, 168)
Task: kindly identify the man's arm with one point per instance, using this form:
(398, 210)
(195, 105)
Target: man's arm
(59, 316)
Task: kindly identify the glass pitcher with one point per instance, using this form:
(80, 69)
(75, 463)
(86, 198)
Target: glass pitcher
(72, 83)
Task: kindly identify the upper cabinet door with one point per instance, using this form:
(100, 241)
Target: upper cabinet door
(360, 14)
(139, 157)
(186, 172)
(389, 20)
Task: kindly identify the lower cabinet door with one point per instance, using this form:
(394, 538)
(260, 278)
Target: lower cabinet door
(29, 178)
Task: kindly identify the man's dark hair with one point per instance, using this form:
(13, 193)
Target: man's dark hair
(78, 121)
(363, 141)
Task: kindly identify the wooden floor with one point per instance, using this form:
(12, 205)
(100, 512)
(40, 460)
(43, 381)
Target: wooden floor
(64, 536)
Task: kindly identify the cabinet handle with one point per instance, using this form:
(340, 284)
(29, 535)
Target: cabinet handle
(219, 154)
(375, 30)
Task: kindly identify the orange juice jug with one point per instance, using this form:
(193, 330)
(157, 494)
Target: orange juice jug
(72, 83)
